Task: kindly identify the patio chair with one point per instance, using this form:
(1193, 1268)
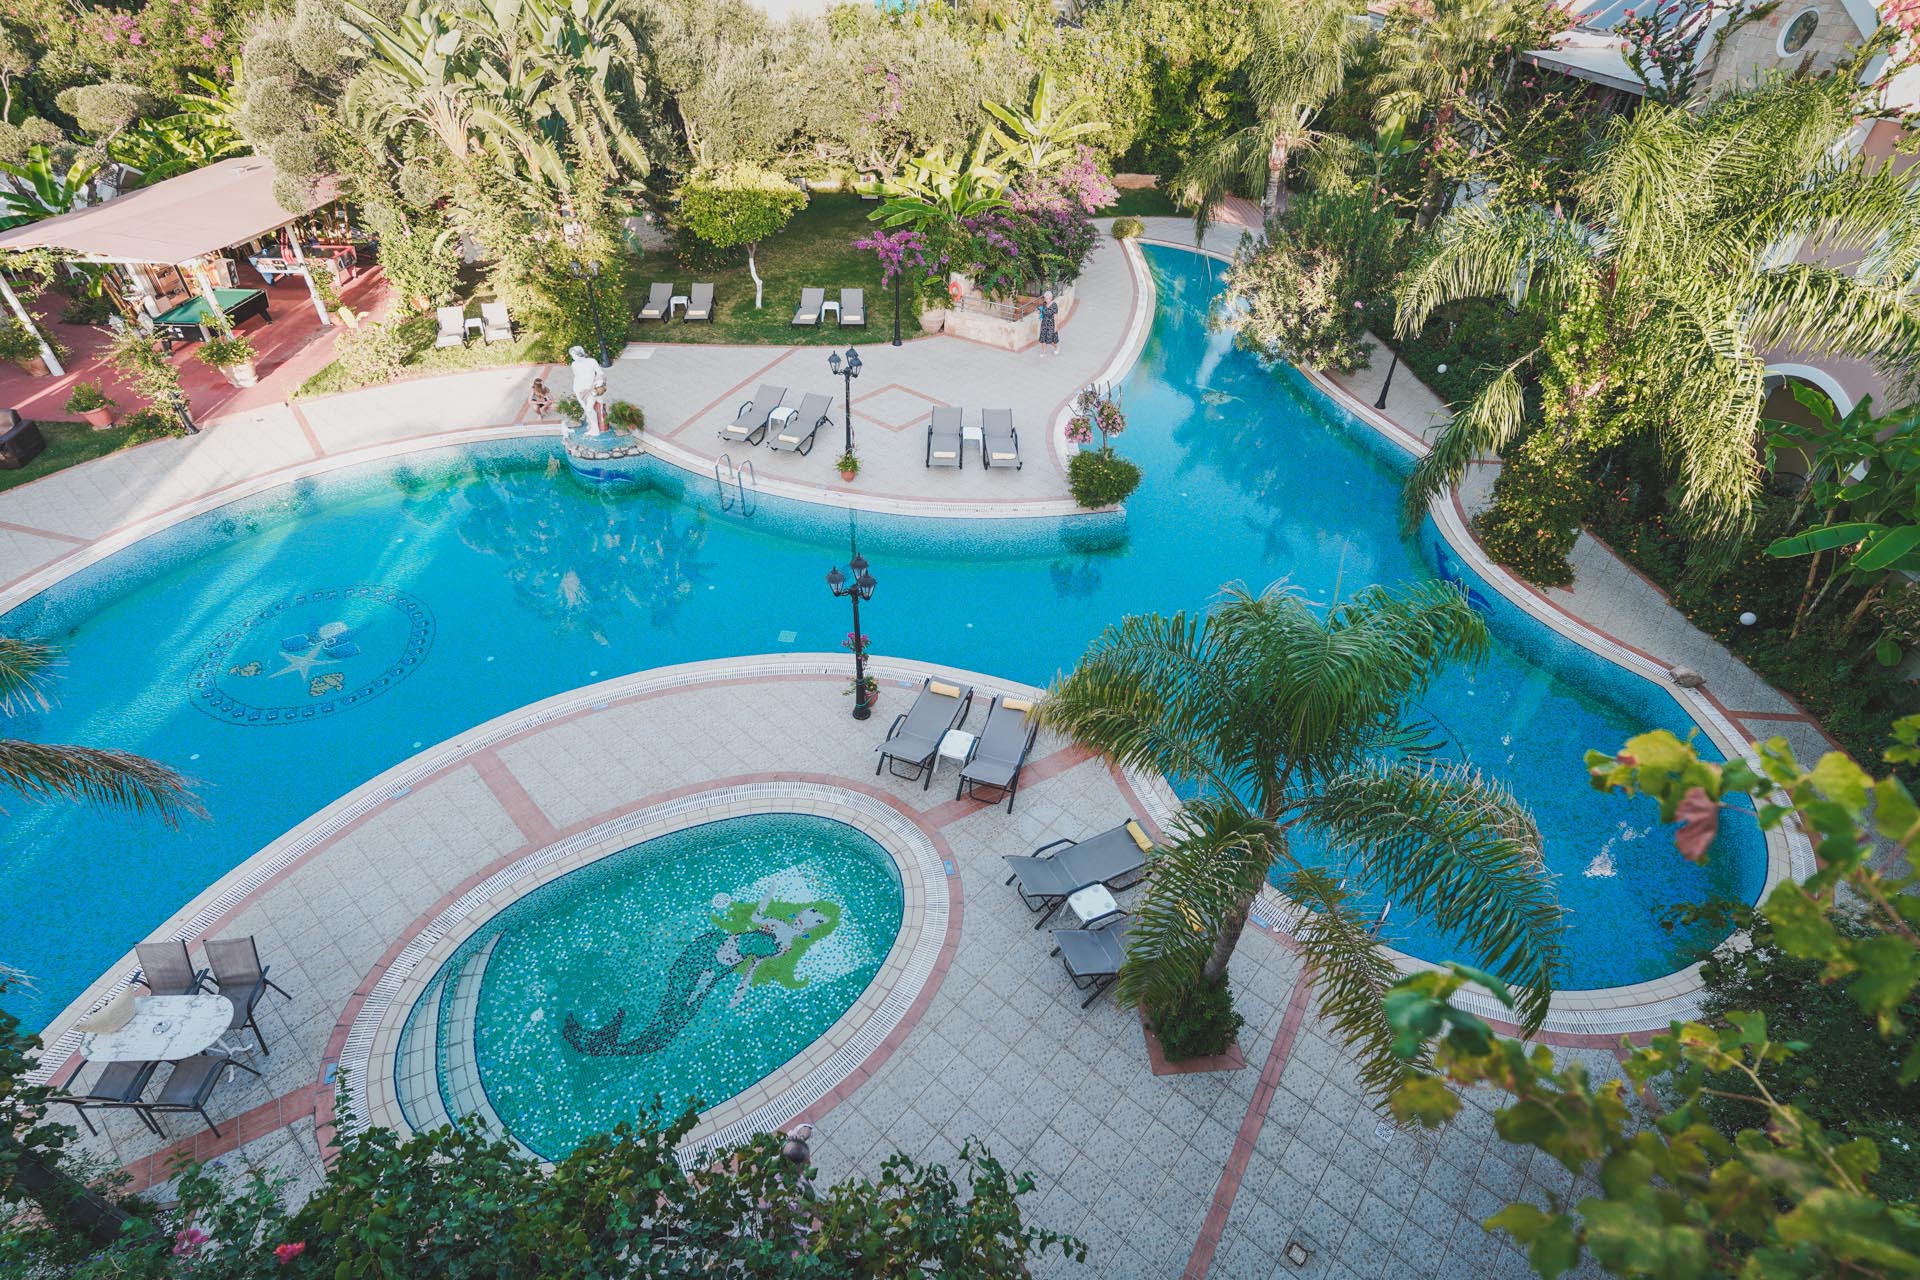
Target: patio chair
(797, 433)
(496, 324)
(241, 978)
(699, 304)
(1000, 752)
(1093, 955)
(118, 1089)
(853, 307)
(913, 741)
(999, 442)
(192, 1084)
(750, 424)
(659, 298)
(165, 969)
(943, 438)
(812, 302)
(453, 327)
(1116, 858)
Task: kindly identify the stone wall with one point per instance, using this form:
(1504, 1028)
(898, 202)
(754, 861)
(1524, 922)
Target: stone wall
(1755, 48)
(1008, 335)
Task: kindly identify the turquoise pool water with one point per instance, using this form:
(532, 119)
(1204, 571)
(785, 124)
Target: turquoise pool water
(686, 968)
(464, 583)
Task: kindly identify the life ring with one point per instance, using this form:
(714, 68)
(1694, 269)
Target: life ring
(954, 291)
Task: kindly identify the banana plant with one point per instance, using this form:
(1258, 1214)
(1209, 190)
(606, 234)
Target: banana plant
(38, 188)
(1042, 134)
(935, 190)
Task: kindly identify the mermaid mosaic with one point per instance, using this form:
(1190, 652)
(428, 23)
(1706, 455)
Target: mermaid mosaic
(756, 943)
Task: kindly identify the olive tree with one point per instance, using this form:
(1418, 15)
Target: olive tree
(739, 205)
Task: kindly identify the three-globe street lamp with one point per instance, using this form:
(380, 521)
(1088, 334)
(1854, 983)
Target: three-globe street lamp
(590, 272)
(857, 587)
(848, 369)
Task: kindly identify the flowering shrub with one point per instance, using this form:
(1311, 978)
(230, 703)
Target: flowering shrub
(1096, 409)
(856, 644)
(1662, 42)
(1024, 249)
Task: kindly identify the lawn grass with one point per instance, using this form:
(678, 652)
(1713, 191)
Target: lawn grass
(428, 360)
(815, 250)
(1143, 202)
(69, 443)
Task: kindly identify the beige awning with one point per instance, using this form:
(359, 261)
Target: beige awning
(173, 221)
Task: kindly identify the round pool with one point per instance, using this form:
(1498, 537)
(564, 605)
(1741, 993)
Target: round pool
(688, 968)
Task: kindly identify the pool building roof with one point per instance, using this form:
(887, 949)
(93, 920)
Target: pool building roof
(179, 219)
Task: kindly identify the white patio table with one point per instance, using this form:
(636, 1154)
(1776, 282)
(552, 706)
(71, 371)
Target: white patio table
(162, 1029)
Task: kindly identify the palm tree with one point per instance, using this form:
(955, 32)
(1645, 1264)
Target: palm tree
(1672, 275)
(1286, 719)
(1301, 52)
(43, 771)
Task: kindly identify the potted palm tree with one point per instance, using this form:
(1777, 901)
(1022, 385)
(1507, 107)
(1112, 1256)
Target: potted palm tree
(92, 404)
(233, 356)
(630, 418)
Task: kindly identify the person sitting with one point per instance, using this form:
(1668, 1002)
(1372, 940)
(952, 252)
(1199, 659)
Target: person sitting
(540, 399)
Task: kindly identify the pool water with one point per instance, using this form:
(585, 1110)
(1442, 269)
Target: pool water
(686, 968)
(468, 582)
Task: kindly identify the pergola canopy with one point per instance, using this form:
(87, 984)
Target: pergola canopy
(174, 221)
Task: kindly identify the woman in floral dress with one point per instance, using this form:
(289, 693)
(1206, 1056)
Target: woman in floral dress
(1049, 313)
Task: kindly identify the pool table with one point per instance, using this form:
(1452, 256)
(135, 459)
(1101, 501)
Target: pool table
(191, 316)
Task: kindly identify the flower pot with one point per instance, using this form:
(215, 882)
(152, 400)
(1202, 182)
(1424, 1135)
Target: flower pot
(242, 374)
(36, 367)
(99, 419)
(847, 475)
(933, 319)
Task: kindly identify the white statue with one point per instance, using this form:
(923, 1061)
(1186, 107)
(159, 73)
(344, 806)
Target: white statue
(589, 387)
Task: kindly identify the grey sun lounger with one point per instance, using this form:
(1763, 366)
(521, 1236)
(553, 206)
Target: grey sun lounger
(913, 741)
(943, 438)
(750, 424)
(1000, 752)
(812, 301)
(797, 433)
(1115, 858)
(658, 298)
(699, 303)
(853, 307)
(999, 442)
(1093, 956)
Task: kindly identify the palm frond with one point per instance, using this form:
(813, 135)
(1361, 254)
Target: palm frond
(1457, 849)
(1350, 978)
(1481, 252)
(1486, 425)
(44, 771)
(1200, 883)
(1809, 307)
(1228, 167)
(24, 665)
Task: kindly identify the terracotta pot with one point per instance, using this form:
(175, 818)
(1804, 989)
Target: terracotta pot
(848, 475)
(933, 319)
(242, 374)
(36, 367)
(98, 419)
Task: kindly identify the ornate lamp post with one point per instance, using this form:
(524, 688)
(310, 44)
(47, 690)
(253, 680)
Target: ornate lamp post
(848, 369)
(590, 272)
(857, 587)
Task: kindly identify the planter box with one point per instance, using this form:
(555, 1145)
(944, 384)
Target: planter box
(1007, 334)
(1231, 1060)
(241, 375)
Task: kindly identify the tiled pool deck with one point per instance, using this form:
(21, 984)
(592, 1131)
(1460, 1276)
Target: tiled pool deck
(1161, 1174)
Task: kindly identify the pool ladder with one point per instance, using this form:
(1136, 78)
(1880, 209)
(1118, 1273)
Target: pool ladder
(741, 477)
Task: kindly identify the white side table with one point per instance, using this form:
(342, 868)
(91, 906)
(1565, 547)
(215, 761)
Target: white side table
(475, 325)
(1091, 903)
(779, 418)
(974, 436)
(678, 302)
(834, 307)
(954, 746)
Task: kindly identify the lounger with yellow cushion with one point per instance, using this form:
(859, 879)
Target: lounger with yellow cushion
(914, 740)
(1115, 858)
(943, 438)
(1000, 752)
(999, 442)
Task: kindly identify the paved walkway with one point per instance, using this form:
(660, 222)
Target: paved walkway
(1162, 1174)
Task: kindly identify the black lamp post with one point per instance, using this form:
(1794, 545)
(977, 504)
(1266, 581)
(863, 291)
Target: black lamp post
(856, 588)
(1387, 386)
(896, 308)
(590, 272)
(848, 369)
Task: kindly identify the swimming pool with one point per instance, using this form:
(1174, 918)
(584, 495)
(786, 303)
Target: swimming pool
(533, 582)
(686, 968)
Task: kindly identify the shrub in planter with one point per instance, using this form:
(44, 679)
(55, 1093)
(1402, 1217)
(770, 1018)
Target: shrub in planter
(1101, 479)
(1199, 1023)
(19, 346)
(570, 410)
(1128, 228)
(91, 403)
(848, 465)
(622, 416)
(232, 356)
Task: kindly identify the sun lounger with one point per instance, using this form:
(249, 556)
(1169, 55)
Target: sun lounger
(750, 424)
(943, 438)
(453, 327)
(1115, 858)
(812, 302)
(914, 739)
(1000, 752)
(1093, 956)
(999, 442)
(699, 303)
(853, 307)
(796, 434)
(165, 969)
(496, 325)
(658, 298)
